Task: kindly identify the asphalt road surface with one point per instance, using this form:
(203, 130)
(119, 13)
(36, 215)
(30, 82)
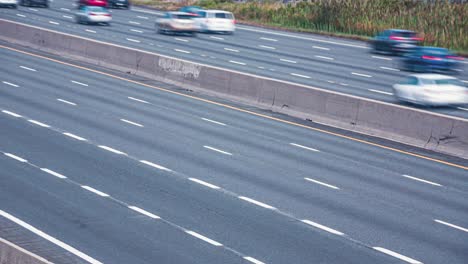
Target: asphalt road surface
(99, 168)
(332, 63)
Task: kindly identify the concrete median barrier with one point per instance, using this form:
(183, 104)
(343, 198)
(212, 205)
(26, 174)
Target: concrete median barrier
(12, 254)
(403, 124)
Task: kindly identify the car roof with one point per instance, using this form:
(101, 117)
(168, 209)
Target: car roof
(216, 11)
(432, 76)
(179, 13)
(401, 30)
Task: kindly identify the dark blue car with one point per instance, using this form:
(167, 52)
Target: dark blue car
(431, 59)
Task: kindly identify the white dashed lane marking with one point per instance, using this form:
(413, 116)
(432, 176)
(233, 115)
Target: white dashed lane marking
(237, 62)
(269, 39)
(138, 100)
(11, 84)
(218, 38)
(182, 51)
(154, 165)
(204, 183)
(322, 183)
(397, 255)
(67, 16)
(134, 22)
(323, 57)
(74, 136)
(255, 261)
(143, 212)
(11, 113)
(90, 31)
(421, 180)
(53, 173)
(212, 121)
(183, 40)
(380, 92)
(267, 47)
(389, 69)
(361, 74)
(133, 40)
(325, 228)
(381, 58)
(27, 68)
(304, 147)
(20, 15)
(112, 150)
(91, 189)
(204, 238)
(15, 157)
(131, 123)
(38, 123)
(320, 48)
(300, 75)
(79, 83)
(451, 225)
(286, 60)
(136, 30)
(218, 150)
(66, 102)
(54, 23)
(252, 201)
(142, 17)
(233, 50)
(64, 9)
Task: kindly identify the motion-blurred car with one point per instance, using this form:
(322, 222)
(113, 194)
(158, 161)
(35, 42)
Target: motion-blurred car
(9, 3)
(118, 4)
(432, 90)
(176, 23)
(191, 9)
(216, 21)
(93, 15)
(395, 41)
(43, 3)
(102, 3)
(431, 59)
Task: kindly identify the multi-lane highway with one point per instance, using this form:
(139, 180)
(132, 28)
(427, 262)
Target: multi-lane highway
(341, 65)
(98, 168)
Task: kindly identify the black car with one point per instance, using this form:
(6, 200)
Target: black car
(118, 4)
(43, 3)
(395, 41)
(431, 59)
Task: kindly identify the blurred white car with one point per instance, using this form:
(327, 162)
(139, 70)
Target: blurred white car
(93, 14)
(177, 22)
(11, 3)
(431, 89)
(216, 21)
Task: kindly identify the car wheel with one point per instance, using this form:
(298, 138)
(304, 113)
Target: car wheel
(193, 34)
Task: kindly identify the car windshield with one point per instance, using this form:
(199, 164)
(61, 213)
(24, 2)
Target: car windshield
(223, 15)
(96, 9)
(182, 16)
(449, 82)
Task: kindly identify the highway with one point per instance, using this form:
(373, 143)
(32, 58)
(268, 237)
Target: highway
(340, 65)
(99, 168)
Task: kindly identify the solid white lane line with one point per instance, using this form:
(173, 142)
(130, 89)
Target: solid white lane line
(397, 255)
(138, 100)
(381, 58)
(218, 38)
(26, 68)
(212, 121)
(38, 123)
(325, 228)
(74, 136)
(67, 16)
(286, 60)
(323, 57)
(20, 15)
(184, 40)
(361, 74)
(183, 51)
(154, 165)
(461, 108)
(15, 157)
(269, 39)
(65, 101)
(321, 48)
(209, 185)
(266, 47)
(91, 189)
(91, 31)
(304, 147)
(11, 84)
(233, 50)
(131, 123)
(53, 22)
(322, 183)
(50, 238)
(204, 238)
(51, 172)
(236, 62)
(11, 113)
(421, 180)
(380, 92)
(218, 150)
(300, 75)
(133, 40)
(143, 212)
(451, 225)
(112, 150)
(389, 69)
(142, 17)
(250, 200)
(255, 261)
(79, 83)
(64, 9)
(136, 30)
(134, 22)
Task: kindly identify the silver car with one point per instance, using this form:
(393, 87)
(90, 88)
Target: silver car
(93, 14)
(431, 89)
